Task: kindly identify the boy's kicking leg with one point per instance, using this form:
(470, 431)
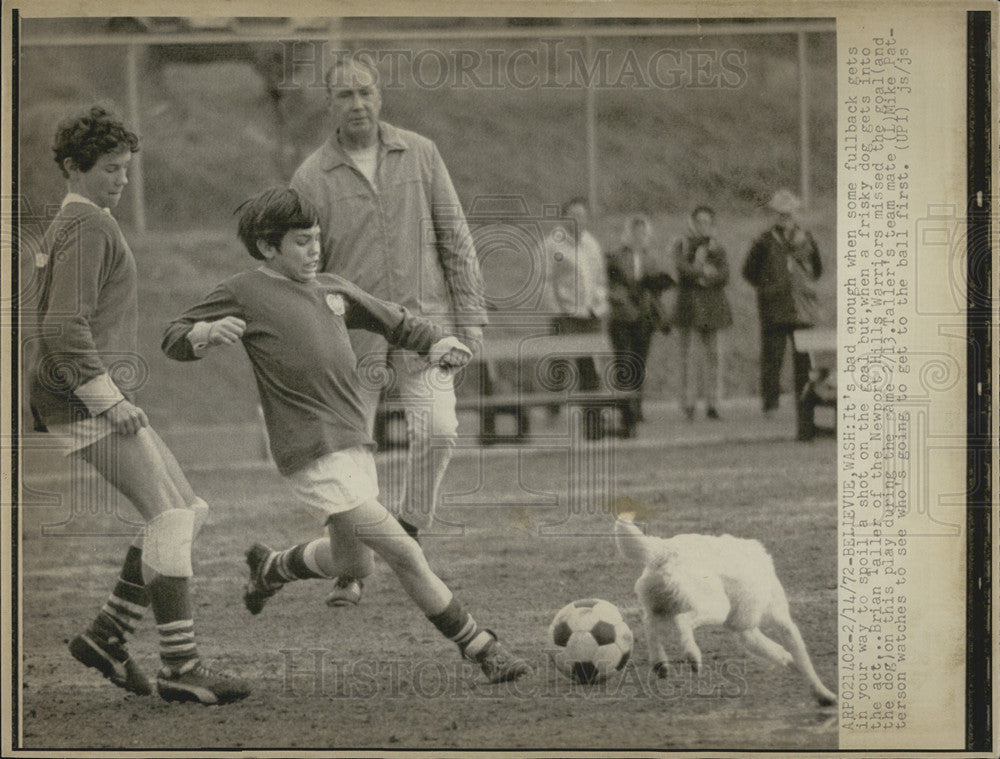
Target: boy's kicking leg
(370, 527)
(143, 470)
(337, 556)
(344, 486)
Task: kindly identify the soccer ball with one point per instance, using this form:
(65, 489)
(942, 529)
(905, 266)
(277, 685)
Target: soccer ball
(592, 640)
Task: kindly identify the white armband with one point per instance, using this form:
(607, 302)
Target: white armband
(99, 394)
(198, 337)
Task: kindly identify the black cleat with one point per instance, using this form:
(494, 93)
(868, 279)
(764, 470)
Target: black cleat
(111, 659)
(196, 682)
(500, 665)
(258, 590)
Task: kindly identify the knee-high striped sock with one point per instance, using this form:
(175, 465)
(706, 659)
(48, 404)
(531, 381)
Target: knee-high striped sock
(296, 563)
(127, 602)
(456, 624)
(174, 622)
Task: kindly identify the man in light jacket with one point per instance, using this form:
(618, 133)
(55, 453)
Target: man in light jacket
(392, 223)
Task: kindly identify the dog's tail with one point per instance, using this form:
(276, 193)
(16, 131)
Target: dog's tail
(632, 543)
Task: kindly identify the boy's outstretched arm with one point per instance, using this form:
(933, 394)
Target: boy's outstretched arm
(402, 328)
(217, 320)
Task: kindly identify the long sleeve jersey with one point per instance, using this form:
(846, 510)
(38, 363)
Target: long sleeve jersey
(297, 341)
(88, 316)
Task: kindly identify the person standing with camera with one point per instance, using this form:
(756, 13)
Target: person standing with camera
(633, 294)
(702, 309)
(782, 265)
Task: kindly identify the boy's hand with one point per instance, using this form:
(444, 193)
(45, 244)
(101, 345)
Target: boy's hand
(126, 418)
(449, 353)
(226, 331)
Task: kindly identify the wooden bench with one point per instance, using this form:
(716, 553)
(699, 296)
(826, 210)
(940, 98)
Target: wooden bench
(516, 373)
(819, 347)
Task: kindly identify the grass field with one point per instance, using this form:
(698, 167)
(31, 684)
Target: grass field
(387, 679)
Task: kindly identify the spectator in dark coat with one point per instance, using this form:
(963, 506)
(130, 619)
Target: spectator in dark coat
(782, 264)
(702, 309)
(633, 296)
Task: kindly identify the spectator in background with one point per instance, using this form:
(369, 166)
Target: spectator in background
(392, 224)
(578, 292)
(782, 264)
(633, 294)
(702, 309)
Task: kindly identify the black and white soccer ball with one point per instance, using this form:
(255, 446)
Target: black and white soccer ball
(592, 640)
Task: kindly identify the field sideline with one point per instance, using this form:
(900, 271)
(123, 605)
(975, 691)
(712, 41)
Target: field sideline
(380, 677)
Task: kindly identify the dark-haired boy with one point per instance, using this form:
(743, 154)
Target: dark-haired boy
(293, 324)
(88, 314)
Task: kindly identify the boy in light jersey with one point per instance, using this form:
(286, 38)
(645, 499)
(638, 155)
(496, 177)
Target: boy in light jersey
(293, 324)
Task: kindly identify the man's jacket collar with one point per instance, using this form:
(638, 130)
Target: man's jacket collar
(334, 155)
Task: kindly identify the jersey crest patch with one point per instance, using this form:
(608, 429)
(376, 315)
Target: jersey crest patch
(335, 302)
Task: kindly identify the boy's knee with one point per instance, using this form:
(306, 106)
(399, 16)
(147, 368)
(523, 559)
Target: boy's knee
(200, 509)
(166, 545)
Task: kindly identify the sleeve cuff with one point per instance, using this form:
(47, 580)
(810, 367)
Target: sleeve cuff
(198, 337)
(99, 394)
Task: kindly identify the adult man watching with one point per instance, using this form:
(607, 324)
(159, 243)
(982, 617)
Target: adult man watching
(391, 222)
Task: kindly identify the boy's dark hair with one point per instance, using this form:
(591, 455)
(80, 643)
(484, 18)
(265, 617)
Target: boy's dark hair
(703, 209)
(270, 214)
(88, 135)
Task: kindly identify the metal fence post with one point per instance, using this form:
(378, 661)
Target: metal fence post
(138, 191)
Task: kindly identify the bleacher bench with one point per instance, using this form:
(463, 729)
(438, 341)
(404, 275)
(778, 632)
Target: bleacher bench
(819, 346)
(512, 375)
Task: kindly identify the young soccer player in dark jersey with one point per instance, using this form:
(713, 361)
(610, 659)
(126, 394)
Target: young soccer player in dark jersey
(87, 314)
(293, 324)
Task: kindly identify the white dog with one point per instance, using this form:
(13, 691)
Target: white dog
(694, 580)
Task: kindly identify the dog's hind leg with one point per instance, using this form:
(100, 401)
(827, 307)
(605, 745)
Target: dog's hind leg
(761, 645)
(780, 614)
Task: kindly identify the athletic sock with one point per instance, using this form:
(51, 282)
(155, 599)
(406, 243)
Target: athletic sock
(127, 602)
(177, 645)
(174, 622)
(296, 563)
(456, 624)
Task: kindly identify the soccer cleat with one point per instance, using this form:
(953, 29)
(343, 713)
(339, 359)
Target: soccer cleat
(258, 590)
(196, 682)
(346, 592)
(498, 664)
(110, 658)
